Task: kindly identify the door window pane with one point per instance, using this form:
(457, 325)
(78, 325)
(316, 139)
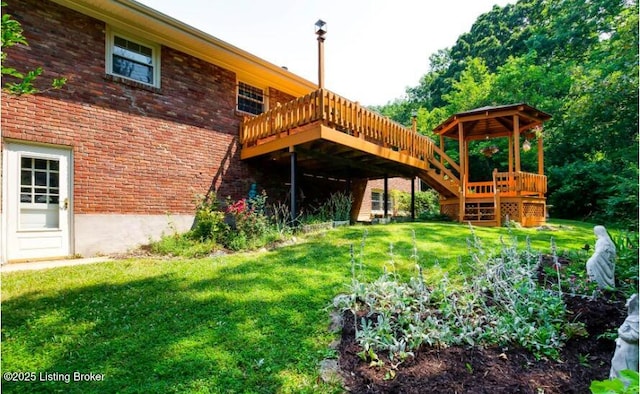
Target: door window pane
(40, 178)
(39, 181)
(41, 164)
(39, 193)
(25, 177)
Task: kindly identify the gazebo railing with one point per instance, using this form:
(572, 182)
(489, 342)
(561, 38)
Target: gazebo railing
(510, 184)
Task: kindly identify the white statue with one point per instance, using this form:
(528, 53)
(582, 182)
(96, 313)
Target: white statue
(626, 354)
(601, 266)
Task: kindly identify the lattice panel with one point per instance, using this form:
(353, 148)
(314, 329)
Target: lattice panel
(450, 210)
(532, 210)
(511, 209)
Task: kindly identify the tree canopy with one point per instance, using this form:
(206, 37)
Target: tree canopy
(573, 59)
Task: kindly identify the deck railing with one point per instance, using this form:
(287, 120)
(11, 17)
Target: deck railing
(345, 116)
(338, 113)
(510, 184)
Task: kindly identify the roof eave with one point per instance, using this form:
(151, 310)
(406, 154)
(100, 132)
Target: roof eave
(150, 24)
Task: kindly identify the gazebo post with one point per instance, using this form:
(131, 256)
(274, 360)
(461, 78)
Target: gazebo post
(518, 175)
(510, 164)
(463, 175)
(540, 156)
(516, 141)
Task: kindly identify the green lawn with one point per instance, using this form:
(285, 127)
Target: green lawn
(245, 323)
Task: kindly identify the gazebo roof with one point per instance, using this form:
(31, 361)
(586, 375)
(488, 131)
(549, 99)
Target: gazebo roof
(492, 121)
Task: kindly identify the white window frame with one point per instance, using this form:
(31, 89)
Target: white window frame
(381, 201)
(264, 97)
(155, 55)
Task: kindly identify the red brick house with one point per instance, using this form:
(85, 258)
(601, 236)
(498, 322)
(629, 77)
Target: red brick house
(156, 113)
(148, 120)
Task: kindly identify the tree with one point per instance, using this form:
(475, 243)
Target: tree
(472, 89)
(577, 61)
(12, 35)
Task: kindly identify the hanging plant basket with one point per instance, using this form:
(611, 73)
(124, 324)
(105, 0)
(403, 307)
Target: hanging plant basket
(489, 150)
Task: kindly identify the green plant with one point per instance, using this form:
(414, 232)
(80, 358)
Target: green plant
(209, 221)
(339, 206)
(182, 245)
(627, 383)
(249, 224)
(427, 203)
(204, 324)
(501, 304)
(628, 252)
(583, 359)
(12, 34)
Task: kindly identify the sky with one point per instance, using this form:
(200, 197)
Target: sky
(374, 49)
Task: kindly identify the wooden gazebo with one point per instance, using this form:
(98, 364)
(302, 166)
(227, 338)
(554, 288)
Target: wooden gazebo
(512, 194)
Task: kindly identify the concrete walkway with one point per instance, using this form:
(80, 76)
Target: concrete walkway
(40, 265)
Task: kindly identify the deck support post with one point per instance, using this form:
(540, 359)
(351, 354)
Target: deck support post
(413, 199)
(294, 197)
(385, 196)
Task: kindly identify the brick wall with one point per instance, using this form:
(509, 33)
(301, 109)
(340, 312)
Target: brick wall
(136, 150)
(400, 184)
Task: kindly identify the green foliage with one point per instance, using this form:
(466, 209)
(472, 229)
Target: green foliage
(340, 206)
(209, 221)
(617, 385)
(183, 245)
(12, 34)
(243, 225)
(499, 304)
(577, 61)
(627, 254)
(472, 88)
(337, 207)
(426, 203)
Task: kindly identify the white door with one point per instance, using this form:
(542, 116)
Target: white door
(37, 201)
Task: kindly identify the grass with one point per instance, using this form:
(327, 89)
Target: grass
(245, 323)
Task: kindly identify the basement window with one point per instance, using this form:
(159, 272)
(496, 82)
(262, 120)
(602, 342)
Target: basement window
(377, 201)
(133, 59)
(250, 99)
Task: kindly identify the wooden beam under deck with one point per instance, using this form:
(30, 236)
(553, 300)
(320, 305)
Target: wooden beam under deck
(321, 132)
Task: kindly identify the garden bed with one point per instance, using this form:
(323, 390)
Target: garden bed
(494, 369)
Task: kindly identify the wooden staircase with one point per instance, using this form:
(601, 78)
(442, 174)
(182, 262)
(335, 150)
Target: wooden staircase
(481, 213)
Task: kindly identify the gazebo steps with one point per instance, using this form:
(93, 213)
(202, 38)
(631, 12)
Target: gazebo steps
(483, 223)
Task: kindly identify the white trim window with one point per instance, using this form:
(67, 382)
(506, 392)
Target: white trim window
(377, 201)
(250, 99)
(133, 59)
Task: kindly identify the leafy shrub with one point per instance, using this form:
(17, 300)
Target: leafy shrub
(627, 263)
(243, 225)
(628, 383)
(209, 221)
(426, 203)
(250, 227)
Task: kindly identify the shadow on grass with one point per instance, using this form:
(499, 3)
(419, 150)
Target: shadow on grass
(248, 323)
(251, 327)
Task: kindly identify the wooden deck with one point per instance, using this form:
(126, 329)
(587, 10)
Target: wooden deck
(337, 138)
